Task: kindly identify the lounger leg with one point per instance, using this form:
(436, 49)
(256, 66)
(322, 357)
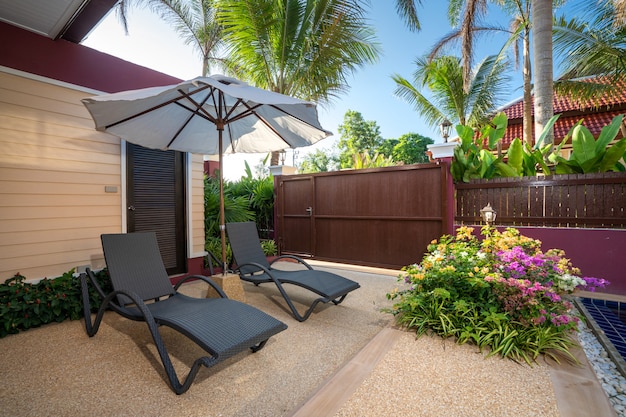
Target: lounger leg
(92, 329)
(339, 299)
(258, 347)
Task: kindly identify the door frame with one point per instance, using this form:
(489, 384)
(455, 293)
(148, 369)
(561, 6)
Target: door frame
(186, 191)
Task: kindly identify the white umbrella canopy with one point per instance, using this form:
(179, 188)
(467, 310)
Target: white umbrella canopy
(208, 115)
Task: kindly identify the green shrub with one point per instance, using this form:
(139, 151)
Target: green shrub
(474, 157)
(214, 246)
(500, 292)
(269, 247)
(24, 305)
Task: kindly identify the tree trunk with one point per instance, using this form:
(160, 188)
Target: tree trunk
(274, 159)
(543, 71)
(527, 77)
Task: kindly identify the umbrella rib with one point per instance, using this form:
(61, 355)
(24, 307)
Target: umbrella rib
(251, 111)
(194, 112)
(158, 106)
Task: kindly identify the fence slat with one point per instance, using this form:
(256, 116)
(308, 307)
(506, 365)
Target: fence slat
(574, 200)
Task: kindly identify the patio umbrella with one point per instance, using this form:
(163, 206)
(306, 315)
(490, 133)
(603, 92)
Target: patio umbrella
(208, 115)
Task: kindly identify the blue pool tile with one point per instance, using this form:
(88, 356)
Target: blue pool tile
(605, 314)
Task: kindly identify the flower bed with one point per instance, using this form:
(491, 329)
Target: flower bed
(500, 292)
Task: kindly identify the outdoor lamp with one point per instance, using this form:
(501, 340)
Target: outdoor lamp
(282, 153)
(488, 214)
(445, 129)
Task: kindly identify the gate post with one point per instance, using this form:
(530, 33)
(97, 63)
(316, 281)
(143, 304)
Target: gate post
(448, 196)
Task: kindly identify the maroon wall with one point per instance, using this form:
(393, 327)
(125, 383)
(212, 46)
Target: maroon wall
(75, 64)
(599, 253)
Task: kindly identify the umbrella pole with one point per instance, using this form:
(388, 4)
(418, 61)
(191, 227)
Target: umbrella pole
(222, 214)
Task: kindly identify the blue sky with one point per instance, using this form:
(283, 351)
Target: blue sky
(153, 44)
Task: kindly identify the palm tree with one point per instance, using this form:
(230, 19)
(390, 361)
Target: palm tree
(519, 33)
(590, 47)
(443, 77)
(194, 20)
(302, 48)
(462, 13)
(541, 11)
(408, 10)
(520, 26)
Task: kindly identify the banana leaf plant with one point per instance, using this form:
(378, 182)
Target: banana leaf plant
(475, 157)
(593, 155)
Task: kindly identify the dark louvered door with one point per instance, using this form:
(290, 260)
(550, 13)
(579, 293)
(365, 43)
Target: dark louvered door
(156, 201)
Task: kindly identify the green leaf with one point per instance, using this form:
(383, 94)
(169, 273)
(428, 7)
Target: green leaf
(495, 134)
(515, 156)
(466, 134)
(583, 144)
(592, 165)
(613, 155)
(608, 133)
(564, 166)
(487, 159)
(538, 157)
(545, 131)
(505, 170)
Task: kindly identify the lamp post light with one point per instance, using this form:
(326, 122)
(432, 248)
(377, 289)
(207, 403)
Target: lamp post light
(445, 127)
(488, 214)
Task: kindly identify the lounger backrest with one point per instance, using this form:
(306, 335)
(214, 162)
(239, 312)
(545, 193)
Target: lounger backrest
(246, 246)
(135, 264)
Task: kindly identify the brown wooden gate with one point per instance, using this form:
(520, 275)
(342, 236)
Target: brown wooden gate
(383, 217)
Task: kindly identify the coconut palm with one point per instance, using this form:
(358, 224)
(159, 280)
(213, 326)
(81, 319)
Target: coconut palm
(519, 40)
(408, 10)
(302, 48)
(541, 11)
(443, 78)
(193, 20)
(589, 47)
(464, 14)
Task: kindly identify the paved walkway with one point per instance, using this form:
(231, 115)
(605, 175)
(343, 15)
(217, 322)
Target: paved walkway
(345, 360)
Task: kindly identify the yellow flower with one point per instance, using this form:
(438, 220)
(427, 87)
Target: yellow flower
(464, 232)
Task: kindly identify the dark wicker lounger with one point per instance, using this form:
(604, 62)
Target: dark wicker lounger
(253, 266)
(222, 327)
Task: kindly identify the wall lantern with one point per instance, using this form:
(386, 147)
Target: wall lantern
(445, 127)
(488, 214)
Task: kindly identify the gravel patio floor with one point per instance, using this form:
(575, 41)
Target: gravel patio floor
(345, 360)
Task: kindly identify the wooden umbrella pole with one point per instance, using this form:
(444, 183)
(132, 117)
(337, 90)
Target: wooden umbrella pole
(220, 128)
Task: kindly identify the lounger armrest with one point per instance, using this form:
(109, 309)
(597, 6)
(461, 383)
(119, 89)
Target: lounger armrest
(93, 281)
(109, 301)
(300, 260)
(261, 267)
(206, 279)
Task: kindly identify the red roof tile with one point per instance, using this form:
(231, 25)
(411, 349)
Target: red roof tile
(595, 115)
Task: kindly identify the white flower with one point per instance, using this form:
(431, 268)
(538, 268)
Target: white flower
(567, 282)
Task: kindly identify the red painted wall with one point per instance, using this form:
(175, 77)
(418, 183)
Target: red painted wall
(76, 64)
(599, 253)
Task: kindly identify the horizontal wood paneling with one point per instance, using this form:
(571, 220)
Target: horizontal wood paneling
(380, 217)
(576, 200)
(54, 168)
(197, 204)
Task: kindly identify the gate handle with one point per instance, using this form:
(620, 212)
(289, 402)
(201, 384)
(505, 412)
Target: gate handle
(309, 210)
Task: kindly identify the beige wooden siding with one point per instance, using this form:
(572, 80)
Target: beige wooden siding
(197, 205)
(54, 168)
